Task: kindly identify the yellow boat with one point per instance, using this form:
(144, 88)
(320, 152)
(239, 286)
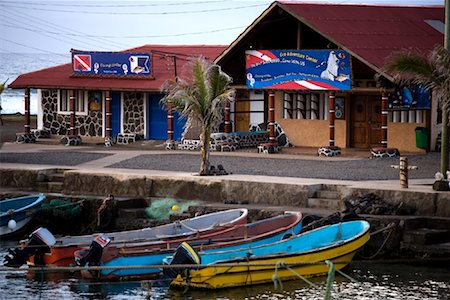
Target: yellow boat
(304, 254)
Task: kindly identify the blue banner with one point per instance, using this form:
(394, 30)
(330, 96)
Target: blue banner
(298, 69)
(111, 63)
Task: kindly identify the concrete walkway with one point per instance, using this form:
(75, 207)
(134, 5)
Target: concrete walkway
(254, 176)
(109, 159)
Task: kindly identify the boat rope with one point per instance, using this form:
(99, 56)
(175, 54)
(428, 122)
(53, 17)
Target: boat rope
(181, 224)
(185, 266)
(195, 266)
(277, 283)
(282, 264)
(64, 205)
(390, 227)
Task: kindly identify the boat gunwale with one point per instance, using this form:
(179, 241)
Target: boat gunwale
(61, 244)
(39, 199)
(365, 230)
(292, 225)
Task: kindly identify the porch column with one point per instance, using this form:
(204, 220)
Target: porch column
(384, 119)
(72, 131)
(272, 117)
(169, 121)
(227, 117)
(108, 114)
(331, 101)
(27, 112)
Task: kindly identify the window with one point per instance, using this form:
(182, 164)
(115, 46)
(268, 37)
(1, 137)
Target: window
(64, 102)
(407, 116)
(309, 106)
(95, 100)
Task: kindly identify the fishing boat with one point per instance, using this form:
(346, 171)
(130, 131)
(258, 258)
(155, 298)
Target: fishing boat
(62, 250)
(304, 254)
(16, 213)
(126, 259)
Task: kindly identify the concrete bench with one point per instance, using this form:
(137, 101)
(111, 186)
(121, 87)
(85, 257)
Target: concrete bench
(329, 151)
(126, 138)
(268, 148)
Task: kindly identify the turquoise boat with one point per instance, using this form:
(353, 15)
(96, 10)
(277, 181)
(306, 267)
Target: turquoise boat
(142, 254)
(304, 253)
(16, 213)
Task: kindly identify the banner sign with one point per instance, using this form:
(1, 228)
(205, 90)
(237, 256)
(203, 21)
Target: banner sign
(111, 64)
(298, 69)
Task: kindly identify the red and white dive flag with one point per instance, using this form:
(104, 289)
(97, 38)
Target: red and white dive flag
(82, 62)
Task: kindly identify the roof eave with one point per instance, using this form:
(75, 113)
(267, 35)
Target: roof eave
(372, 66)
(245, 32)
(280, 5)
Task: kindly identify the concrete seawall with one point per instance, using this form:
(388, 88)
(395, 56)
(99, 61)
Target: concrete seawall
(275, 191)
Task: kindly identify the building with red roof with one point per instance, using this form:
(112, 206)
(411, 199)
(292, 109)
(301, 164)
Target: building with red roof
(341, 104)
(369, 34)
(133, 107)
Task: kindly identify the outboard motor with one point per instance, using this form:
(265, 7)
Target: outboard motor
(92, 256)
(184, 254)
(38, 244)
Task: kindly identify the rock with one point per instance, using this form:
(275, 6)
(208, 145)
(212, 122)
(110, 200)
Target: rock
(441, 185)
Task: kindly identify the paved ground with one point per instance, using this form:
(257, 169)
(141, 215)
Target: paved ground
(296, 162)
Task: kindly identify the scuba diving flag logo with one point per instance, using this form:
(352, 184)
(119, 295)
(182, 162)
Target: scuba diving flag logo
(82, 62)
(139, 64)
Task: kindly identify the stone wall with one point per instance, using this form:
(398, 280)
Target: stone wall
(133, 113)
(215, 189)
(59, 124)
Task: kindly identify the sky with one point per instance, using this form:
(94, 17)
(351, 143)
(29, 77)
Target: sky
(56, 26)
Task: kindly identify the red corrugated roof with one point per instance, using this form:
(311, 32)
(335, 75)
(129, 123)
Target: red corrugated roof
(60, 76)
(372, 32)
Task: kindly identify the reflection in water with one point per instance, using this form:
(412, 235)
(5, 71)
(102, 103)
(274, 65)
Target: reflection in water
(376, 281)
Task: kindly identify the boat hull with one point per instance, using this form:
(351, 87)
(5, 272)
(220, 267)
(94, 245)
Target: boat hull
(244, 235)
(21, 210)
(262, 269)
(62, 254)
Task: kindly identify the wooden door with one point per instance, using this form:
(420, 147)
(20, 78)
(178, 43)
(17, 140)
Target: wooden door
(242, 111)
(359, 129)
(366, 121)
(375, 121)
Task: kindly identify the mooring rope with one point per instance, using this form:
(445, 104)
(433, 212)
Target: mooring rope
(282, 264)
(390, 227)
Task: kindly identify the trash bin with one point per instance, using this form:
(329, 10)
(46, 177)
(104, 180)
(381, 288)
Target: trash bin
(422, 137)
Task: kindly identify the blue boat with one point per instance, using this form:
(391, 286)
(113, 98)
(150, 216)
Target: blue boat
(16, 213)
(146, 254)
(305, 253)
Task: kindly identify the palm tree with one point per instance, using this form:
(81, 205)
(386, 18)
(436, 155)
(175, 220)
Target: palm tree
(200, 97)
(432, 72)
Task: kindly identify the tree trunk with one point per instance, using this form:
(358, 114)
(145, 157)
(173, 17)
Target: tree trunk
(205, 139)
(444, 140)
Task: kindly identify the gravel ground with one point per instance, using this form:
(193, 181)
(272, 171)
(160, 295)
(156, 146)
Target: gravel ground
(360, 169)
(51, 158)
(364, 169)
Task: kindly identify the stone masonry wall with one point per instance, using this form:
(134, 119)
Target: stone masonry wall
(59, 124)
(133, 113)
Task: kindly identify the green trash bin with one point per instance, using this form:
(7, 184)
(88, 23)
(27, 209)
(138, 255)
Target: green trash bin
(422, 137)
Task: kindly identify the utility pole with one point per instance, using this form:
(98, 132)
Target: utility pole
(445, 108)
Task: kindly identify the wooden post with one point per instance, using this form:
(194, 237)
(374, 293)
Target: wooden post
(403, 167)
(27, 112)
(72, 108)
(227, 117)
(108, 117)
(272, 117)
(331, 101)
(384, 119)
